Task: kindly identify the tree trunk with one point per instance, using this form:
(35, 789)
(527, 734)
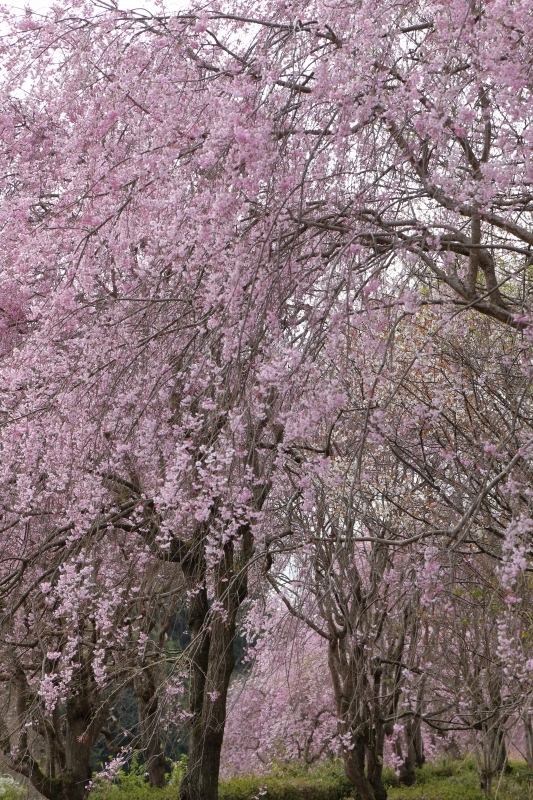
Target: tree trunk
(528, 734)
(376, 741)
(354, 767)
(194, 569)
(217, 659)
(494, 754)
(210, 737)
(418, 742)
(68, 737)
(500, 746)
(374, 760)
(147, 704)
(78, 745)
(415, 749)
(407, 769)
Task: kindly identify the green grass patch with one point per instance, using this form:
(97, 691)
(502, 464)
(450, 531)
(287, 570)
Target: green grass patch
(290, 782)
(442, 780)
(459, 780)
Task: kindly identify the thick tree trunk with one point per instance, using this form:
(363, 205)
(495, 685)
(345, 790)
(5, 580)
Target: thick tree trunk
(374, 770)
(201, 781)
(213, 630)
(194, 569)
(500, 746)
(415, 750)
(69, 737)
(78, 745)
(210, 728)
(147, 704)
(210, 675)
(354, 767)
(207, 732)
(413, 739)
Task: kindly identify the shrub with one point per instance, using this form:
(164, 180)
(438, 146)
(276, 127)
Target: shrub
(132, 785)
(179, 768)
(11, 790)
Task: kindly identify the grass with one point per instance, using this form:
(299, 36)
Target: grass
(443, 780)
(458, 780)
(326, 781)
(292, 782)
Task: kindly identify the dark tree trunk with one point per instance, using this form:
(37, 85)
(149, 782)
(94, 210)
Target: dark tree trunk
(345, 673)
(354, 767)
(71, 758)
(418, 742)
(78, 742)
(211, 668)
(374, 760)
(413, 739)
(147, 703)
(407, 769)
(376, 741)
(210, 730)
(194, 569)
(502, 763)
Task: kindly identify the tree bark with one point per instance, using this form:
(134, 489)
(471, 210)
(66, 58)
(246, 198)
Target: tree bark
(354, 767)
(70, 760)
(213, 661)
(77, 772)
(144, 685)
(363, 755)
(418, 742)
(528, 734)
(415, 749)
(494, 752)
(376, 741)
(194, 569)
(407, 769)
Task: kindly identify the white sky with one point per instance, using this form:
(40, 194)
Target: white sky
(40, 6)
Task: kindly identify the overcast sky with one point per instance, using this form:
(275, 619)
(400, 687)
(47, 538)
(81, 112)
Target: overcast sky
(42, 5)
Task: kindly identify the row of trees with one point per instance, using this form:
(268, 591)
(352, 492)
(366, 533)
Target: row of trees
(266, 332)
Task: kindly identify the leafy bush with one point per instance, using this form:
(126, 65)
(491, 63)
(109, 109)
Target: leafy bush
(390, 778)
(132, 785)
(11, 790)
(179, 768)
